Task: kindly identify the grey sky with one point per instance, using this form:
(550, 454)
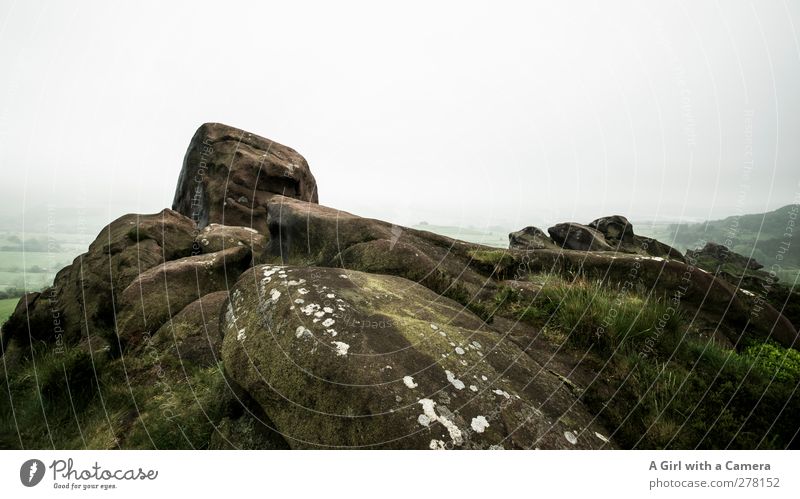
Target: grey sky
(473, 114)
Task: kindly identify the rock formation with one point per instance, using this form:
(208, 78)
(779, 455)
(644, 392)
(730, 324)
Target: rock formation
(578, 237)
(530, 238)
(253, 317)
(229, 176)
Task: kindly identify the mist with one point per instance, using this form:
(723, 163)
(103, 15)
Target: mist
(466, 113)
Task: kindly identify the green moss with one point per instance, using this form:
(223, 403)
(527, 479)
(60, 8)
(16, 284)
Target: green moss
(775, 360)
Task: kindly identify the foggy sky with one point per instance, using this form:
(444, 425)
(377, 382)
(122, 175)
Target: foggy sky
(473, 114)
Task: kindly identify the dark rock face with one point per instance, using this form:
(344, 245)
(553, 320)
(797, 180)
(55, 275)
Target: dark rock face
(410, 369)
(158, 293)
(612, 233)
(229, 176)
(616, 229)
(578, 237)
(310, 234)
(193, 334)
(718, 255)
(530, 238)
(653, 247)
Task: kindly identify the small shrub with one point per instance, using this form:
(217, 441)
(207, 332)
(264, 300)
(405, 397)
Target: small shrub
(775, 360)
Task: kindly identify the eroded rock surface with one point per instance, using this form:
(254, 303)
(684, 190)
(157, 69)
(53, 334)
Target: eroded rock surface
(578, 237)
(530, 238)
(348, 359)
(229, 176)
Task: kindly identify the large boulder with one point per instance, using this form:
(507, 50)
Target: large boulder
(652, 247)
(615, 229)
(530, 238)
(578, 237)
(302, 233)
(229, 176)
(162, 291)
(340, 358)
(618, 233)
(717, 257)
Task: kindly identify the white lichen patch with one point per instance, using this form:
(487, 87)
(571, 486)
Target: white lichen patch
(274, 295)
(302, 291)
(341, 348)
(748, 293)
(601, 437)
(457, 383)
(434, 327)
(330, 295)
(476, 345)
(502, 392)
(479, 424)
(443, 334)
(428, 410)
(484, 378)
(343, 276)
(319, 314)
(299, 301)
(331, 331)
(424, 420)
(310, 308)
(409, 381)
(295, 283)
(473, 388)
(436, 445)
(241, 335)
(302, 331)
(571, 437)
(327, 310)
(328, 322)
(460, 351)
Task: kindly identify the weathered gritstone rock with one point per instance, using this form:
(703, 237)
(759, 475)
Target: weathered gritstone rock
(578, 237)
(530, 238)
(83, 294)
(215, 237)
(716, 256)
(149, 301)
(229, 176)
(193, 334)
(613, 233)
(615, 229)
(347, 359)
(310, 234)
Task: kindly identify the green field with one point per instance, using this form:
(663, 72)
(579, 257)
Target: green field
(6, 307)
(44, 255)
(491, 236)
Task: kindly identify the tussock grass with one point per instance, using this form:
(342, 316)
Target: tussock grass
(657, 385)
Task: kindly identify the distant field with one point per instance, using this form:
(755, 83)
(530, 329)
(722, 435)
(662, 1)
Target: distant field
(44, 255)
(6, 307)
(493, 236)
